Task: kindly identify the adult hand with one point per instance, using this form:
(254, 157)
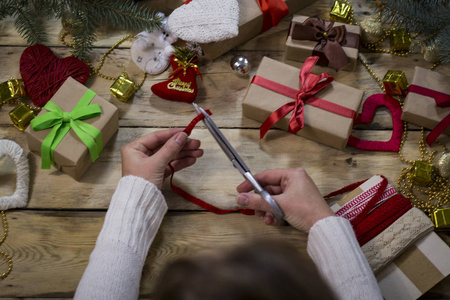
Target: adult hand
(294, 191)
(149, 156)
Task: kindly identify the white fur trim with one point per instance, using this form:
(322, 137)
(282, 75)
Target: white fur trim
(20, 196)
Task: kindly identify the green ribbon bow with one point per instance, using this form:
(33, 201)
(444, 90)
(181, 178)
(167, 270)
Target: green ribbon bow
(62, 122)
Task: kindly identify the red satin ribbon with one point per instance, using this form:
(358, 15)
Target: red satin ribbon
(192, 198)
(368, 224)
(310, 84)
(442, 100)
(273, 12)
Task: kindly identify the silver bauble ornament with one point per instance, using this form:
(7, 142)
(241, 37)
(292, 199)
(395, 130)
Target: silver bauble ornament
(240, 64)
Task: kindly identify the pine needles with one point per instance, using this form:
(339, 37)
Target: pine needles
(429, 18)
(85, 16)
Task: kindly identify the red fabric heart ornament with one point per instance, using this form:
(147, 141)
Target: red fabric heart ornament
(43, 73)
(369, 107)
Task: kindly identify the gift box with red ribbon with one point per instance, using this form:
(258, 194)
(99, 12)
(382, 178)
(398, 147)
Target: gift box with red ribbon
(335, 43)
(406, 256)
(296, 100)
(427, 102)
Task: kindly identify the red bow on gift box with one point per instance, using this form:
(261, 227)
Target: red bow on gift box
(273, 12)
(329, 40)
(310, 84)
(442, 100)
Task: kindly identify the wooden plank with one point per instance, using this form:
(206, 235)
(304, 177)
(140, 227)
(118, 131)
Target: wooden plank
(213, 178)
(51, 249)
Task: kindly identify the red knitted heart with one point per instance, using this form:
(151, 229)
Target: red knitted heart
(43, 73)
(369, 107)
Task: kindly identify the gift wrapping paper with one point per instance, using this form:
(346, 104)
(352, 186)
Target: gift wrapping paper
(71, 156)
(299, 50)
(422, 110)
(319, 125)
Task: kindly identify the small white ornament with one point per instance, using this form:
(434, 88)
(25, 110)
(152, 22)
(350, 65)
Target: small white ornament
(151, 51)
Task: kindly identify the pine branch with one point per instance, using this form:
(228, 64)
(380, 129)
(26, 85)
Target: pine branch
(126, 14)
(7, 8)
(29, 25)
(84, 32)
(430, 19)
(86, 16)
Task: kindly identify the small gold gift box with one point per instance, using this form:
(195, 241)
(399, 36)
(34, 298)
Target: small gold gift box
(395, 82)
(400, 40)
(123, 88)
(11, 89)
(21, 116)
(441, 218)
(341, 12)
(422, 173)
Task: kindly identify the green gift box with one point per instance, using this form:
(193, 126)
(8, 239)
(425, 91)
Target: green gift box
(74, 152)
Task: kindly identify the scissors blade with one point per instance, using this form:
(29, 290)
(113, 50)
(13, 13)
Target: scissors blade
(239, 163)
(222, 141)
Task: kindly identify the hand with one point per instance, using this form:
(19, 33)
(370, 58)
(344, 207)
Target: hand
(294, 191)
(149, 156)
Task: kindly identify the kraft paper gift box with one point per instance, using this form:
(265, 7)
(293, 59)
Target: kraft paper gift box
(250, 25)
(71, 156)
(250, 22)
(320, 125)
(417, 270)
(422, 110)
(408, 258)
(298, 48)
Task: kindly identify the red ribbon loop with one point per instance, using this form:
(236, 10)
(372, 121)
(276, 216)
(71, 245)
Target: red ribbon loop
(273, 12)
(442, 100)
(329, 39)
(310, 84)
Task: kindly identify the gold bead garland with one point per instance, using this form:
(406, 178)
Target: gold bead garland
(96, 71)
(387, 33)
(2, 253)
(438, 193)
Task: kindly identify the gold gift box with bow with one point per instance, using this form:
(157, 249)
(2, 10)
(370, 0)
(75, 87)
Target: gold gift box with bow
(341, 12)
(11, 89)
(395, 82)
(21, 115)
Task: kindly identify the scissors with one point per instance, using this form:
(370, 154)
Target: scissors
(239, 164)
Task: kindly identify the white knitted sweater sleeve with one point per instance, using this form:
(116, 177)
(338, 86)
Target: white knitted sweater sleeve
(334, 249)
(131, 223)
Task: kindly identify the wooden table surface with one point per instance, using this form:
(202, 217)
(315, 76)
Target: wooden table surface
(51, 239)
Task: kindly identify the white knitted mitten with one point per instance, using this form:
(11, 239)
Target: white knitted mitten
(205, 21)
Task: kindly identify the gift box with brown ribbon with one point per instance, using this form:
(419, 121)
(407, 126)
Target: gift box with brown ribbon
(335, 43)
(296, 100)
